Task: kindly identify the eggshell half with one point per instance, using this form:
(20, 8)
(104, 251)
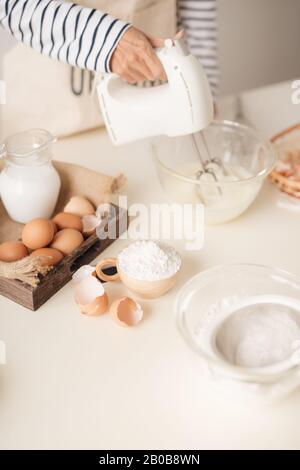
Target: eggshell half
(126, 312)
(90, 223)
(91, 297)
(80, 206)
(83, 273)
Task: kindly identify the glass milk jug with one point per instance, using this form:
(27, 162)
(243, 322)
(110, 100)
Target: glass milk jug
(29, 184)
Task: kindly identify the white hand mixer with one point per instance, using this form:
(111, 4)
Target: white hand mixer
(183, 105)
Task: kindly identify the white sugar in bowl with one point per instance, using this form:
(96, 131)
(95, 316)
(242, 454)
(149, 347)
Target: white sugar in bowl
(147, 268)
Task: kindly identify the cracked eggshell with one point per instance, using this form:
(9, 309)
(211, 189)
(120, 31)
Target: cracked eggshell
(79, 206)
(90, 223)
(126, 312)
(83, 273)
(91, 297)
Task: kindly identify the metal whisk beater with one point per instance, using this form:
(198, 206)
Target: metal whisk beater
(209, 164)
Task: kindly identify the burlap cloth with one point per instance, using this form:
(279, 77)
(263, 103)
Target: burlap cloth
(75, 181)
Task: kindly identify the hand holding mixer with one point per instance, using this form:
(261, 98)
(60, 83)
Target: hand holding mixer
(183, 105)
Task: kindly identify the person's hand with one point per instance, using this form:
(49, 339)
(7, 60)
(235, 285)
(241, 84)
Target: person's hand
(134, 58)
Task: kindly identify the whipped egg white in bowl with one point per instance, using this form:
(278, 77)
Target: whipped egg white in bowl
(241, 160)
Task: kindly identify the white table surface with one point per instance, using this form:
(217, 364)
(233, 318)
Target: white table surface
(78, 382)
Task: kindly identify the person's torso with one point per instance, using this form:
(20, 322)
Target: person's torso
(155, 17)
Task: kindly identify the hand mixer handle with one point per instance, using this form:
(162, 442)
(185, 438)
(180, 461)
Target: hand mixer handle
(187, 81)
(169, 54)
(182, 106)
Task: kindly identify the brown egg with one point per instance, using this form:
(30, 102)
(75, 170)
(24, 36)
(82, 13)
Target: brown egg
(67, 240)
(80, 206)
(12, 251)
(38, 233)
(54, 227)
(66, 220)
(51, 257)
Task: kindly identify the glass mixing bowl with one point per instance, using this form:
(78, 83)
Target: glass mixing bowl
(246, 160)
(227, 310)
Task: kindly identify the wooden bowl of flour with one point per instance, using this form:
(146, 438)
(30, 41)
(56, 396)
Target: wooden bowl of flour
(147, 289)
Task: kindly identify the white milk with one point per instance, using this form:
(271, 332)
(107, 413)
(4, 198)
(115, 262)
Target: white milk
(29, 192)
(29, 184)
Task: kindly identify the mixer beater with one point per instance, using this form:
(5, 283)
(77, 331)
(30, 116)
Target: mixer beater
(211, 166)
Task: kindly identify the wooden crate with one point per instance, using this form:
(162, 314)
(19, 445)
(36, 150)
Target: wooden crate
(34, 297)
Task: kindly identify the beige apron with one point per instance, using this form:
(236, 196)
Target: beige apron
(45, 93)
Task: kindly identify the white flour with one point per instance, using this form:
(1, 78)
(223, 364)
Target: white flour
(147, 260)
(259, 335)
(262, 332)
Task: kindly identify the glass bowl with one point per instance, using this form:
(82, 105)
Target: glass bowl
(243, 321)
(246, 160)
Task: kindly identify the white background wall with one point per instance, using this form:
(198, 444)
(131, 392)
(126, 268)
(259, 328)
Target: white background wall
(259, 42)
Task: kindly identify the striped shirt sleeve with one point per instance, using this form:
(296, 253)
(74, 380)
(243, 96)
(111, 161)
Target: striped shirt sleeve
(199, 20)
(80, 36)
